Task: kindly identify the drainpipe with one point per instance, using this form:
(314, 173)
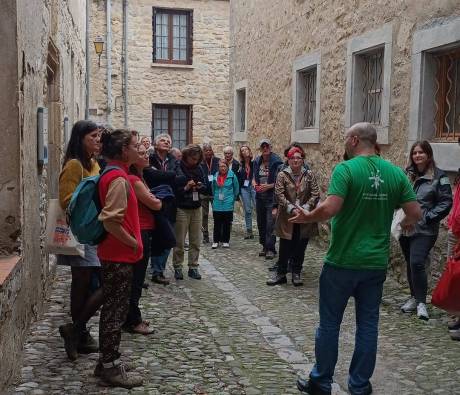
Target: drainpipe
(109, 60)
(88, 63)
(125, 61)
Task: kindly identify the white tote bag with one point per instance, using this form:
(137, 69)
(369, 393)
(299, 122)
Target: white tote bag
(59, 237)
(396, 230)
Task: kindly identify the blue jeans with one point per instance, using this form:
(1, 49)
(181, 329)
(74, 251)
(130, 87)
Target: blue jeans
(248, 198)
(158, 263)
(265, 224)
(336, 286)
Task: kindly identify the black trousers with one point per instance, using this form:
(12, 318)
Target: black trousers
(134, 317)
(416, 249)
(265, 224)
(293, 249)
(222, 226)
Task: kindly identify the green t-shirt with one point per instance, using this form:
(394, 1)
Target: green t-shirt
(371, 188)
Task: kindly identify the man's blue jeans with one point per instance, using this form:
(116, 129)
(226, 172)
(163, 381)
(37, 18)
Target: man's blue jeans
(336, 286)
(158, 263)
(248, 198)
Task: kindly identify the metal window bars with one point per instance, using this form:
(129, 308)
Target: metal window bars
(242, 109)
(372, 86)
(308, 78)
(447, 97)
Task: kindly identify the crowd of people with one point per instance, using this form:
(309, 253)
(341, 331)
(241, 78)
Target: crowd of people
(156, 199)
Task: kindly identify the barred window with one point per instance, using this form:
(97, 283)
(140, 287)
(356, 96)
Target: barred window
(306, 100)
(176, 120)
(447, 96)
(372, 86)
(240, 110)
(172, 36)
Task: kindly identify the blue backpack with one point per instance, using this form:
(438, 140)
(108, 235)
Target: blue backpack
(84, 209)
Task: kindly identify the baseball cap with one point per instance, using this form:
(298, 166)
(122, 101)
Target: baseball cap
(264, 141)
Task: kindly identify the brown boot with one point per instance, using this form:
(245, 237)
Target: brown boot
(117, 376)
(99, 368)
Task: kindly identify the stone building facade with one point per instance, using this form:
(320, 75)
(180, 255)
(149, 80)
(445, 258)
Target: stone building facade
(306, 70)
(164, 68)
(42, 87)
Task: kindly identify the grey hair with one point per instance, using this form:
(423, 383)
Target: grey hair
(207, 146)
(366, 133)
(160, 136)
(228, 148)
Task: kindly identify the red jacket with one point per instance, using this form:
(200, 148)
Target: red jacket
(454, 216)
(111, 249)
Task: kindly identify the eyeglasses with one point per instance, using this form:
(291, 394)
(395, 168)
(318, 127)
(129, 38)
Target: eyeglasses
(296, 158)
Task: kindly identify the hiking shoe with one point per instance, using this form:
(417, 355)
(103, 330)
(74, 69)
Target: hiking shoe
(178, 275)
(454, 326)
(87, 344)
(277, 279)
(194, 273)
(269, 255)
(309, 387)
(70, 336)
(215, 245)
(225, 245)
(409, 306)
(422, 313)
(455, 335)
(158, 279)
(99, 367)
(117, 376)
(296, 280)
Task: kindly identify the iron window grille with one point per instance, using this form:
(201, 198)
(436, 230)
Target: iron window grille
(372, 86)
(172, 36)
(241, 108)
(447, 97)
(308, 99)
(175, 120)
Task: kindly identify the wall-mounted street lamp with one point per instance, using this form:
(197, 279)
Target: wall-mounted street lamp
(99, 47)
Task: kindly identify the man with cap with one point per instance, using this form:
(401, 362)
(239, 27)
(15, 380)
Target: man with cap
(265, 171)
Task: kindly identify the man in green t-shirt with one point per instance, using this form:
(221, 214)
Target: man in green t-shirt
(363, 193)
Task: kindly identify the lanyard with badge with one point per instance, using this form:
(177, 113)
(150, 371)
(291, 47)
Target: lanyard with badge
(248, 172)
(210, 176)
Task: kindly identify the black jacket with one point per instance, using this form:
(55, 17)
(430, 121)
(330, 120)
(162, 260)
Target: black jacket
(170, 162)
(184, 199)
(214, 170)
(242, 176)
(434, 195)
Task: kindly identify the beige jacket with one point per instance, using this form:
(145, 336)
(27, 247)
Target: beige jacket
(286, 194)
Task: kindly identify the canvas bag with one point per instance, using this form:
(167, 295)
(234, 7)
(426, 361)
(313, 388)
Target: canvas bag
(59, 237)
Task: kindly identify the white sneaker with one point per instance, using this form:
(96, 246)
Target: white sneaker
(226, 245)
(422, 313)
(215, 245)
(409, 306)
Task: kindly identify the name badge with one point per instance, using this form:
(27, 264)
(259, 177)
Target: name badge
(246, 183)
(221, 196)
(195, 196)
(210, 177)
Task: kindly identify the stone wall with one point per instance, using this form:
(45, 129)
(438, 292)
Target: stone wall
(204, 84)
(34, 32)
(267, 36)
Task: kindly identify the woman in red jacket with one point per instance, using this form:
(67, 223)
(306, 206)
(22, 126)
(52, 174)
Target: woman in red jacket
(146, 202)
(453, 245)
(118, 252)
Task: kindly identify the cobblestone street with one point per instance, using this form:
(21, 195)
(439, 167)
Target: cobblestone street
(231, 334)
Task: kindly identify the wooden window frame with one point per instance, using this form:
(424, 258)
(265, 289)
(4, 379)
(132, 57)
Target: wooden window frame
(171, 12)
(170, 108)
(440, 134)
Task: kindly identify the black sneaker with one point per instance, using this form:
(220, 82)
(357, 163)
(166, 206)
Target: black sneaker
(368, 390)
(194, 273)
(308, 387)
(205, 239)
(454, 325)
(277, 279)
(87, 344)
(158, 279)
(269, 255)
(178, 275)
(70, 336)
(296, 280)
(262, 253)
